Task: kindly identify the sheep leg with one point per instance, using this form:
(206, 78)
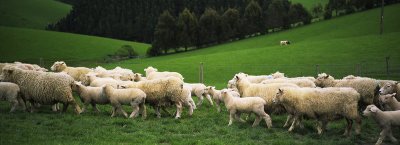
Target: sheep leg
(288, 120)
(348, 128)
(358, 125)
(157, 109)
(200, 99)
(217, 105)
(21, 102)
(54, 107)
(267, 119)
(178, 110)
(14, 105)
(134, 111)
(209, 99)
(256, 121)
(65, 107)
(94, 107)
(123, 111)
(191, 109)
(114, 111)
(248, 116)
(231, 116)
(382, 136)
(166, 111)
(237, 117)
(392, 138)
(295, 118)
(143, 110)
(85, 105)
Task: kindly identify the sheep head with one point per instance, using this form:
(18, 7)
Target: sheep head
(58, 66)
(388, 88)
(323, 80)
(278, 96)
(371, 109)
(387, 98)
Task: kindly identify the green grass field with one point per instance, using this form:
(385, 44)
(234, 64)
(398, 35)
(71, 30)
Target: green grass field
(35, 14)
(337, 45)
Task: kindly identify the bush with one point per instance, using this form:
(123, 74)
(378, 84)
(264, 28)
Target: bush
(126, 51)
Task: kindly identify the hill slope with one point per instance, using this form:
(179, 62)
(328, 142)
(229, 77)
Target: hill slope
(28, 45)
(337, 45)
(31, 13)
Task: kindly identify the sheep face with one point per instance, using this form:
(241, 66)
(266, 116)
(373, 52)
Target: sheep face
(149, 70)
(323, 79)
(58, 66)
(389, 87)
(386, 98)
(371, 109)
(278, 75)
(278, 96)
(7, 74)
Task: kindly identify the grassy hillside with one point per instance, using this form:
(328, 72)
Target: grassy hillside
(308, 4)
(28, 45)
(35, 14)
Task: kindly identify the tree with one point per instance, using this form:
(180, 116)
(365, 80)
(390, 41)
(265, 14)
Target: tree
(298, 13)
(187, 25)
(165, 32)
(209, 24)
(277, 14)
(231, 23)
(253, 17)
(317, 10)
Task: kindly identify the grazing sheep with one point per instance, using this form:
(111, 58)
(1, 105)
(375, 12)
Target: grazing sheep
(162, 92)
(284, 42)
(390, 100)
(265, 91)
(390, 88)
(386, 121)
(132, 96)
(43, 87)
(367, 87)
(90, 95)
(297, 81)
(10, 92)
(216, 95)
(77, 73)
(236, 106)
(199, 90)
(321, 104)
(152, 73)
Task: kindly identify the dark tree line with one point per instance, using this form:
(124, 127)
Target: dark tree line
(341, 7)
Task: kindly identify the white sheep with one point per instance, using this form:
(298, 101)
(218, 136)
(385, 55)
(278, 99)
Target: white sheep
(232, 85)
(257, 79)
(390, 88)
(390, 100)
(138, 77)
(162, 92)
(131, 96)
(199, 90)
(301, 82)
(10, 92)
(43, 87)
(236, 106)
(321, 104)
(367, 87)
(278, 75)
(116, 73)
(78, 73)
(91, 95)
(216, 95)
(152, 73)
(284, 42)
(386, 121)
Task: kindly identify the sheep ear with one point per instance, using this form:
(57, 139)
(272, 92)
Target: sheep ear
(393, 95)
(280, 90)
(237, 77)
(10, 71)
(327, 76)
(374, 109)
(396, 83)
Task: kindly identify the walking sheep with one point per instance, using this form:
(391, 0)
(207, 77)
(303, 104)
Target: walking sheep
(90, 95)
(321, 104)
(152, 73)
(297, 81)
(386, 120)
(10, 92)
(216, 95)
(199, 90)
(45, 88)
(390, 88)
(390, 100)
(132, 96)
(236, 106)
(77, 73)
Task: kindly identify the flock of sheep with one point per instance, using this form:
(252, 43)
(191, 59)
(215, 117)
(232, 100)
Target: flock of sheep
(28, 86)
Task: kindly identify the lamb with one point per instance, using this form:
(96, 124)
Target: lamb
(321, 104)
(199, 90)
(216, 95)
(232, 85)
(162, 92)
(236, 106)
(386, 120)
(98, 82)
(390, 100)
(132, 96)
(152, 73)
(77, 73)
(367, 87)
(43, 87)
(265, 91)
(297, 81)
(90, 95)
(10, 92)
(390, 88)
(257, 79)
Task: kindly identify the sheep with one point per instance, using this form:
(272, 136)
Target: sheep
(43, 87)
(152, 73)
(216, 95)
(232, 85)
(138, 77)
(24, 66)
(390, 88)
(132, 96)
(321, 104)
(77, 73)
(386, 120)
(236, 106)
(199, 90)
(257, 79)
(10, 92)
(380, 82)
(116, 73)
(265, 91)
(278, 75)
(284, 42)
(367, 87)
(297, 81)
(161, 92)
(98, 82)
(390, 100)
(90, 95)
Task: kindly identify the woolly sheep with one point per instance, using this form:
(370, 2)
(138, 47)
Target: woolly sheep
(390, 88)
(278, 75)
(297, 81)
(386, 121)
(152, 73)
(321, 104)
(265, 91)
(216, 95)
(138, 77)
(367, 87)
(77, 73)
(10, 92)
(116, 73)
(380, 82)
(390, 100)
(90, 95)
(257, 79)
(162, 92)
(43, 87)
(232, 85)
(236, 106)
(199, 90)
(132, 96)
